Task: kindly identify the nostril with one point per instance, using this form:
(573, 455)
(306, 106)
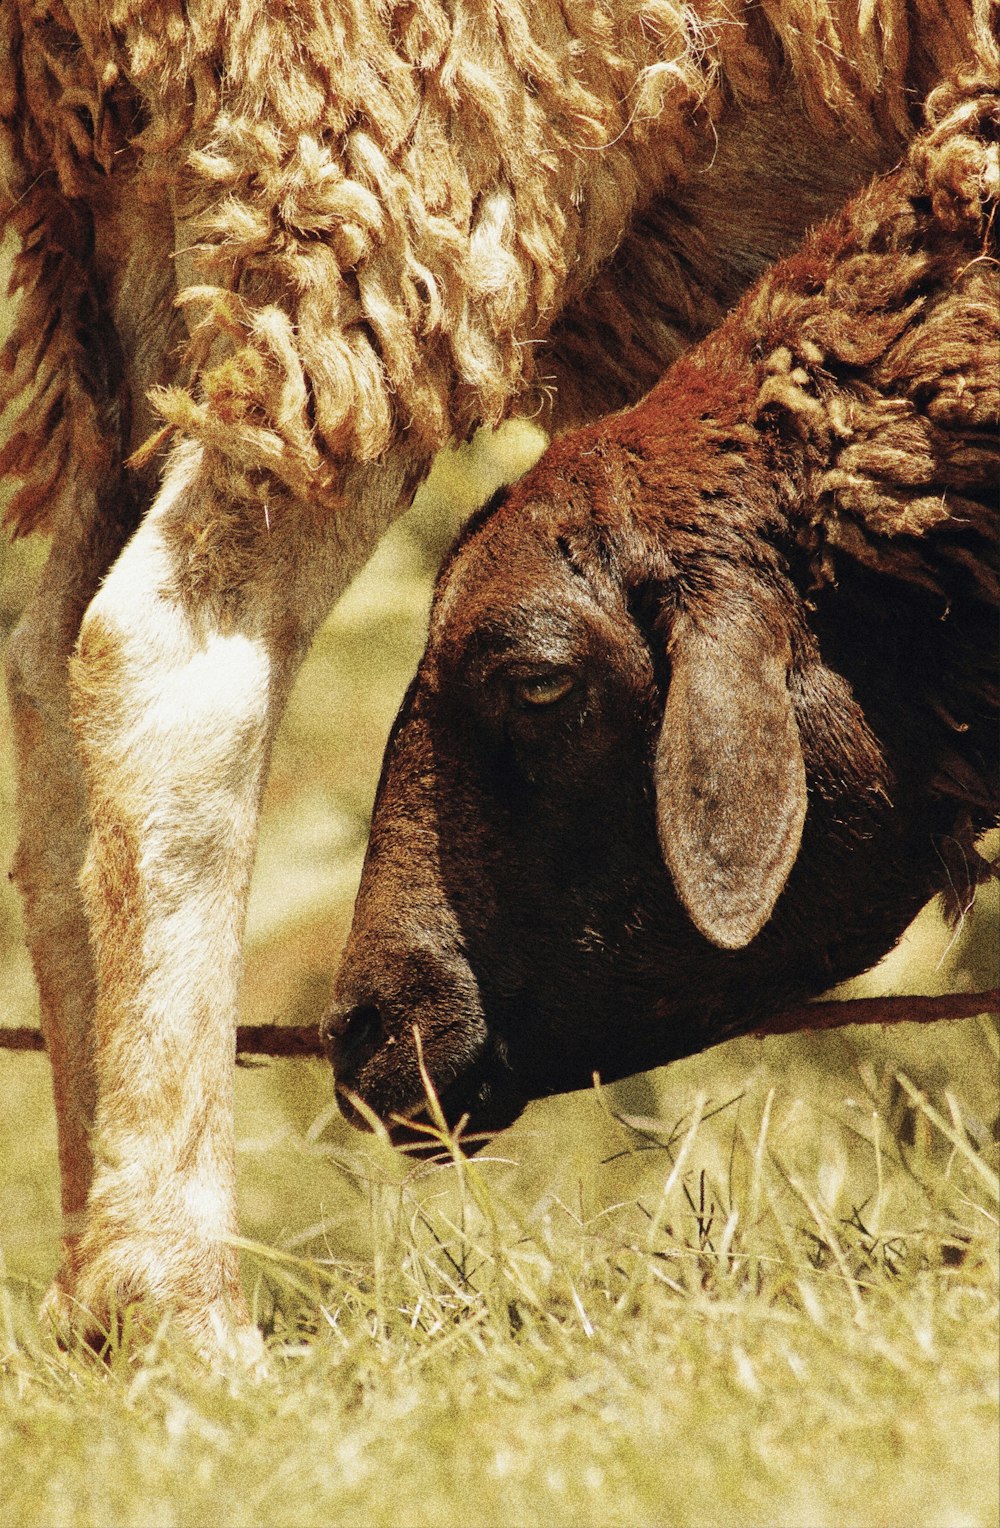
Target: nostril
(357, 1031)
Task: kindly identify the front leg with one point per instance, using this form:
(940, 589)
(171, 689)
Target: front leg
(184, 661)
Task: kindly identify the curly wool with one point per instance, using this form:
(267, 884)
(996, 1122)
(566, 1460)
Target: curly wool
(388, 206)
(882, 349)
(884, 363)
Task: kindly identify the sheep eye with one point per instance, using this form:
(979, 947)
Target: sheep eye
(544, 689)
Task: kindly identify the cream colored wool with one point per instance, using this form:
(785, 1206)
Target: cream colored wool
(385, 208)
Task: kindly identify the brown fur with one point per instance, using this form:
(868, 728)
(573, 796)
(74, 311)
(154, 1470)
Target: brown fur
(709, 693)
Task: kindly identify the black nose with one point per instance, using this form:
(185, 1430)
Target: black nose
(352, 1036)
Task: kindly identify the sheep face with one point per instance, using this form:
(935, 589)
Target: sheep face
(557, 881)
(493, 891)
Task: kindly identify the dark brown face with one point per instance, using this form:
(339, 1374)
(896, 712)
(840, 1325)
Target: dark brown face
(592, 798)
(529, 720)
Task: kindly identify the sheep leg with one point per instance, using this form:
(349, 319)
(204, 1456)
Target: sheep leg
(53, 828)
(185, 657)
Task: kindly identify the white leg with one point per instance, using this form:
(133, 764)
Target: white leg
(184, 662)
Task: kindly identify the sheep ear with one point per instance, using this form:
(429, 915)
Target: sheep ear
(730, 780)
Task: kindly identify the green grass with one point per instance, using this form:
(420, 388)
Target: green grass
(757, 1287)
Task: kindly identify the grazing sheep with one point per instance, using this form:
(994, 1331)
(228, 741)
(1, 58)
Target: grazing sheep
(271, 256)
(709, 703)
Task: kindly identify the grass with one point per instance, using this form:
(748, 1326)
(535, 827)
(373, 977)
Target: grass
(757, 1287)
(705, 1325)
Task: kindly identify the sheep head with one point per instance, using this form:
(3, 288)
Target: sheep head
(590, 848)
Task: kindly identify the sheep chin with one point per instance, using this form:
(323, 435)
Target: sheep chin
(483, 1099)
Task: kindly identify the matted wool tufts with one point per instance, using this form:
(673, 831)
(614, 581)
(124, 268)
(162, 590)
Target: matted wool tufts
(383, 208)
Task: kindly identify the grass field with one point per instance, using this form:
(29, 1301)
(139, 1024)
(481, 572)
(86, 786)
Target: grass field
(758, 1287)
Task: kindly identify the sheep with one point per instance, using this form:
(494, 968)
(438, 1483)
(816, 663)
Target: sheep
(269, 258)
(708, 707)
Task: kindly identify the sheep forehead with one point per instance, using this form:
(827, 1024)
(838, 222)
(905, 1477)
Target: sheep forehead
(508, 596)
(510, 566)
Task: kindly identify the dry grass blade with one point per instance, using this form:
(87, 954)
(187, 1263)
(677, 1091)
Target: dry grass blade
(952, 1134)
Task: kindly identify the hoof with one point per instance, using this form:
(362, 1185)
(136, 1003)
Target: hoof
(99, 1309)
